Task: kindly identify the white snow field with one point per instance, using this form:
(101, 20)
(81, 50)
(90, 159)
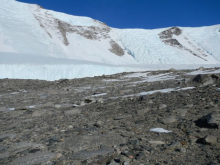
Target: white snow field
(36, 43)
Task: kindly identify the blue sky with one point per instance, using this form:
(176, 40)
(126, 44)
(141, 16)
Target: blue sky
(147, 14)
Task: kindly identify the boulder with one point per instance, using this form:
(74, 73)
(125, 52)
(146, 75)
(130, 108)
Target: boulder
(206, 79)
(213, 119)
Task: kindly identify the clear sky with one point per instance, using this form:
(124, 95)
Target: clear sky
(147, 14)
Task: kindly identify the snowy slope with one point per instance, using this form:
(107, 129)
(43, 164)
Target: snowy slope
(163, 46)
(42, 44)
(29, 29)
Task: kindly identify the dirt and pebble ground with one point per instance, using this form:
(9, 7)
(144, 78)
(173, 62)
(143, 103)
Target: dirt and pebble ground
(111, 120)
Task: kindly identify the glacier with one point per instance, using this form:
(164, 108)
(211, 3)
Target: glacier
(36, 43)
(25, 66)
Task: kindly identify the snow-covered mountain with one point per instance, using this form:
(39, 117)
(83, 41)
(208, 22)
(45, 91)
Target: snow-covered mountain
(29, 29)
(34, 38)
(175, 45)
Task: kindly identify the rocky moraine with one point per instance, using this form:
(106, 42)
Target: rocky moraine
(143, 118)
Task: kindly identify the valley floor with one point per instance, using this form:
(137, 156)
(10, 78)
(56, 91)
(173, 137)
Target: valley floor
(139, 118)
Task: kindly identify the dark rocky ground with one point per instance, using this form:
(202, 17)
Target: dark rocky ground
(107, 120)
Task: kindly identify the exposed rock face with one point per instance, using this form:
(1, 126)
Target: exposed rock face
(49, 23)
(173, 42)
(116, 49)
(170, 37)
(91, 32)
(167, 34)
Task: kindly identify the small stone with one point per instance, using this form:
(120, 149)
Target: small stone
(188, 106)
(34, 150)
(48, 105)
(193, 140)
(210, 140)
(70, 126)
(201, 68)
(123, 158)
(168, 120)
(99, 122)
(126, 163)
(139, 122)
(172, 70)
(142, 112)
(122, 117)
(38, 113)
(203, 129)
(140, 156)
(135, 142)
(156, 142)
(113, 163)
(54, 139)
(22, 108)
(125, 91)
(182, 150)
(57, 106)
(59, 156)
(130, 155)
(72, 112)
(174, 146)
(184, 94)
(150, 102)
(82, 103)
(97, 125)
(162, 106)
(106, 159)
(89, 100)
(181, 112)
(183, 143)
(100, 100)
